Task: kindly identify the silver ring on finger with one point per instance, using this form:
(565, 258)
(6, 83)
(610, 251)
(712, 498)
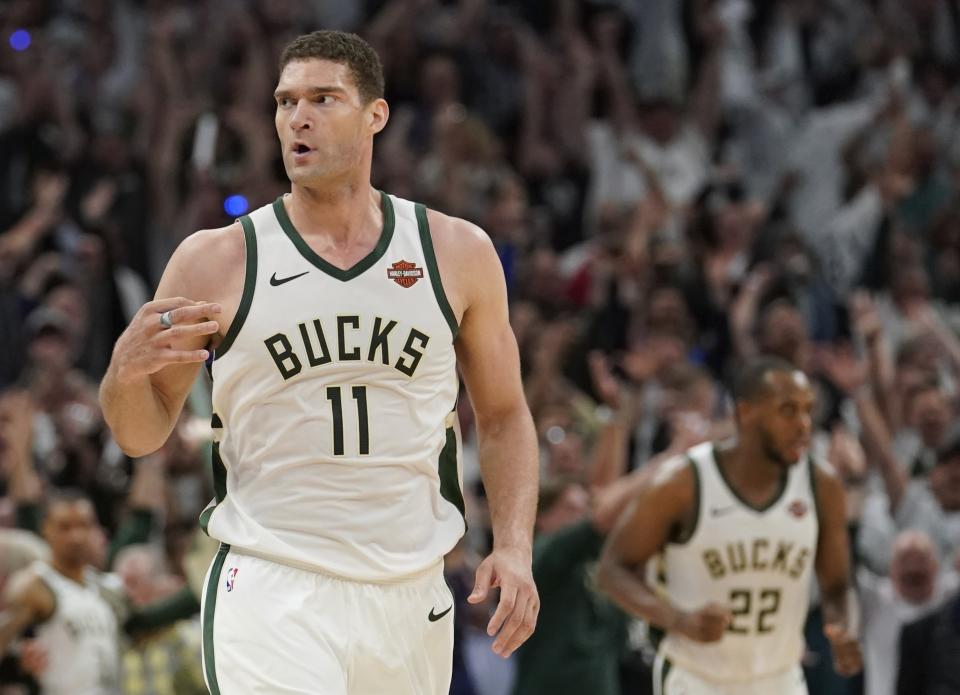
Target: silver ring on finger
(165, 320)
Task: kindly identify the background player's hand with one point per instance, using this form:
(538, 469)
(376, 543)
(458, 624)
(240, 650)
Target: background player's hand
(146, 347)
(516, 615)
(707, 624)
(847, 659)
(33, 657)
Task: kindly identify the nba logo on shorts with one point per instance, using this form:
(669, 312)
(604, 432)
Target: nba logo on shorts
(231, 577)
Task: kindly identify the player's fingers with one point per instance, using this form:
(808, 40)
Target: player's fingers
(482, 583)
(847, 661)
(835, 633)
(183, 356)
(189, 330)
(528, 625)
(158, 306)
(513, 632)
(508, 598)
(713, 633)
(190, 314)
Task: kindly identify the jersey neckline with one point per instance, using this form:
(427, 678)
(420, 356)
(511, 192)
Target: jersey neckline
(784, 480)
(386, 205)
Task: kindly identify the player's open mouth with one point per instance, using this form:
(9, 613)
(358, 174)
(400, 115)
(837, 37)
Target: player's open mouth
(301, 150)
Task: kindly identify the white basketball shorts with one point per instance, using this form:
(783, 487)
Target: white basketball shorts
(670, 679)
(272, 628)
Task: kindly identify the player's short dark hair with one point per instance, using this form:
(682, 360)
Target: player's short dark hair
(751, 382)
(345, 48)
(65, 495)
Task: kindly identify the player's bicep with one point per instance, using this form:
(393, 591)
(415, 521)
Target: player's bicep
(486, 346)
(653, 517)
(181, 278)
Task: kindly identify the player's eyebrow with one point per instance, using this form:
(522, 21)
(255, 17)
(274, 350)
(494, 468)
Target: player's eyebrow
(320, 89)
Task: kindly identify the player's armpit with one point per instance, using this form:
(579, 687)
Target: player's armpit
(662, 506)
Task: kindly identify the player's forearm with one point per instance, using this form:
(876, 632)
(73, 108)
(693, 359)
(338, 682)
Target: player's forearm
(135, 412)
(839, 606)
(510, 469)
(627, 590)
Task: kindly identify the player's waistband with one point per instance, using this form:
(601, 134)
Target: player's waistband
(423, 577)
(682, 662)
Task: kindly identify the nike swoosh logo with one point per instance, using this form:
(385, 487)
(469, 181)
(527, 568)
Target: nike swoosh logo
(277, 282)
(721, 511)
(434, 617)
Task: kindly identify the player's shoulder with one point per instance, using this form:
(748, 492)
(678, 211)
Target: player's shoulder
(205, 258)
(457, 237)
(676, 476)
(29, 587)
(827, 486)
(207, 244)
(822, 472)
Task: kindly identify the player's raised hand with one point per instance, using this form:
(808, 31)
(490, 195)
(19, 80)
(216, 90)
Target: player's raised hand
(707, 624)
(148, 344)
(847, 659)
(516, 615)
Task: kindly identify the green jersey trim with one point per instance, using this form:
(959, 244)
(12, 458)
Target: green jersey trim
(784, 479)
(683, 536)
(249, 284)
(426, 242)
(450, 475)
(389, 220)
(812, 472)
(219, 474)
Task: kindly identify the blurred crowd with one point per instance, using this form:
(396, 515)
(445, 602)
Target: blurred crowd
(673, 186)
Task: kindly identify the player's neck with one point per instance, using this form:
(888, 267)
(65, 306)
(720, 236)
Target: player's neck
(72, 572)
(340, 212)
(747, 463)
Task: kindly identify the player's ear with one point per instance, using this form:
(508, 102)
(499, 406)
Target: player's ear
(745, 411)
(378, 113)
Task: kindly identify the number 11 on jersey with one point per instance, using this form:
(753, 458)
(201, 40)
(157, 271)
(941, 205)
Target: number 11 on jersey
(336, 403)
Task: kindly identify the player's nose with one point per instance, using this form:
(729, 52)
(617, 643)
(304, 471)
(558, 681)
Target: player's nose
(300, 119)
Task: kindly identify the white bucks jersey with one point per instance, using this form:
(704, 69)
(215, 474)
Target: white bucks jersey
(81, 638)
(756, 562)
(335, 446)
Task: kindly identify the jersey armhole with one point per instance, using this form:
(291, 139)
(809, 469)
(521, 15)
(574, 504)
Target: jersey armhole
(812, 468)
(53, 598)
(249, 283)
(426, 243)
(679, 535)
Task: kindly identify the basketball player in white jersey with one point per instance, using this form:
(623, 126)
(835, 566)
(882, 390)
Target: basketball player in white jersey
(336, 317)
(740, 527)
(72, 606)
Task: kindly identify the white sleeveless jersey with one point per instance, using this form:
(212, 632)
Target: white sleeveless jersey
(335, 441)
(82, 636)
(757, 562)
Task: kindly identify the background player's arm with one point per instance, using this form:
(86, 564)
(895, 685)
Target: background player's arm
(28, 601)
(833, 572)
(662, 506)
(490, 364)
(152, 369)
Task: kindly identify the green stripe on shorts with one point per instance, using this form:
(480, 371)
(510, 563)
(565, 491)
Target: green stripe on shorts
(210, 605)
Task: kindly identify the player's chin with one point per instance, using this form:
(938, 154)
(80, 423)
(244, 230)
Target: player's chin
(793, 454)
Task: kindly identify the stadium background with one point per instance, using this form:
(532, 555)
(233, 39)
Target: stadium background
(672, 185)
